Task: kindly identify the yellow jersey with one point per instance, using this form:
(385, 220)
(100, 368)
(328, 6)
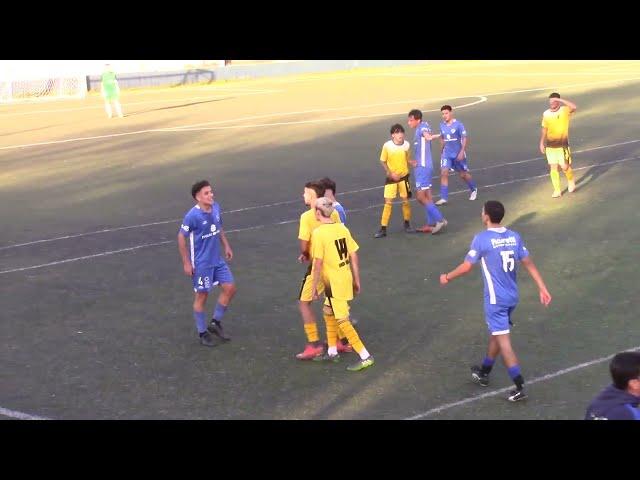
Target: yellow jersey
(396, 157)
(557, 125)
(308, 224)
(333, 243)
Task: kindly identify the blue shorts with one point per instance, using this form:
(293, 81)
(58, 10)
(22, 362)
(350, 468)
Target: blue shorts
(423, 177)
(498, 318)
(450, 162)
(204, 279)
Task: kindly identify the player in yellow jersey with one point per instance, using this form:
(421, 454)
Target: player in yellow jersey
(308, 223)
(554, 141)
(336, 272)
(395, 161)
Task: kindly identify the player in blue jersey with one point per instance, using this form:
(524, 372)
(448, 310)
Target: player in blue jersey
(422, 164)
(203, 262)
(453, 138)
(330, 192)
(498, 249)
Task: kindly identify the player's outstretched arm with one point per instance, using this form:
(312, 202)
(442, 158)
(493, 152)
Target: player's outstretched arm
(182, 248)
(354, 263)
(228, 253)
(545, 296)
(462, 269)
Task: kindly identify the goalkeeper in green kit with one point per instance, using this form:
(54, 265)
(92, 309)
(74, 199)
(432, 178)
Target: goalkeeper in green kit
(110, 91)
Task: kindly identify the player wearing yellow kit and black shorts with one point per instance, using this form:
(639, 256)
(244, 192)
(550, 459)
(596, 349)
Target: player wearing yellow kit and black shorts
(308, 223)
(395, 161)
(554, 141)
(336, 272)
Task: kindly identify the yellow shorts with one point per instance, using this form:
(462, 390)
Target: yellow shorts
(403, 188)
(306, 295)
(340, 307)
(558, 156)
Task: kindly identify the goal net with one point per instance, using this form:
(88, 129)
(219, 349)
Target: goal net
(39, 89)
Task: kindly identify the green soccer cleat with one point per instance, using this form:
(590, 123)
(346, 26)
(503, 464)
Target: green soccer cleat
(361, 364)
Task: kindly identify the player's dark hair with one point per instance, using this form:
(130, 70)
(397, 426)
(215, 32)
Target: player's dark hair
(554, 95)
(199, 186)
(495, 210)
(328, 184)
(316, 186)
(446, 107)
(396, 127)
(415, 113)
(624, 366)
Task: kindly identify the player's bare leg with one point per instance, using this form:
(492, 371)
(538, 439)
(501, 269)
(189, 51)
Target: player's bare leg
(511, 362)
(555, 180)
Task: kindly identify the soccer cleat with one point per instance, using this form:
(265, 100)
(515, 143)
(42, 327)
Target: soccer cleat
(215, 327)
(424, 229)
(478, 377)
(442, 201)
(408, 228)
(310, 352)
(327, 358)
(207, 340)
(473, 195)
(344, 348)
(556, 194)
(361, 364)
(439, 226)
(572, 186)
(380, 233)
(516, 395)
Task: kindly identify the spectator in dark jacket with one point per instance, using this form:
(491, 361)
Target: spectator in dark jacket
(619, 401)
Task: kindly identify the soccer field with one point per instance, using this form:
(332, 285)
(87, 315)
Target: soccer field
(96, 312)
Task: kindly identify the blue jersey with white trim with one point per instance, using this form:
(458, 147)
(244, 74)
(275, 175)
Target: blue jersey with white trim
(498, 250)
(452, 137)
(340, 209)
(422, 146)
(203, 228)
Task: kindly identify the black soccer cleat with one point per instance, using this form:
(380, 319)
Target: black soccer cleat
(381, 233)
(478, 377)
(215, 327)
(516, 395)
(207, 340)
(408, 228)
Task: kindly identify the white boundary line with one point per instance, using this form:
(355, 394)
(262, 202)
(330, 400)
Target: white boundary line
(287, 202)
(145, 245)
(188, 127)
(493, 393)
(172, 100)
(20, 415)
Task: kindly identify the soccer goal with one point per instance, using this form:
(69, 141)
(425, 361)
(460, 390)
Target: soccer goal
(42, 89)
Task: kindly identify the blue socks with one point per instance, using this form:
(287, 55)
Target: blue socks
(201, 321)
(219, 311)
(433, 212)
